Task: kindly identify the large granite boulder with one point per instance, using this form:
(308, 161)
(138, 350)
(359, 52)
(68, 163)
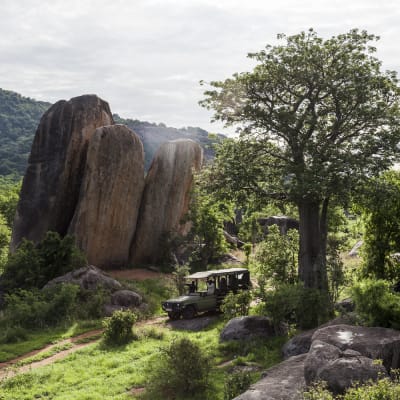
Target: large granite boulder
(339, 369)
(301, 343)
(284, 381)
(165, 199)
(244, 328)
(89, 278)
(374, 343)
(51, 185)
(105, 218)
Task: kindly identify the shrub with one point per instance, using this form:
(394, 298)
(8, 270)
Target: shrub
(384, 389)
(37, 309)
(236, 384)
(32, 266)
(118, 327)
(304, 307)
(376, 303)
(181, 372)
(179, 273)
(236, 305)
(276, 258)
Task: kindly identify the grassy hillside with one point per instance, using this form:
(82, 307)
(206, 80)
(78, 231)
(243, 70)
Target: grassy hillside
(20, 116)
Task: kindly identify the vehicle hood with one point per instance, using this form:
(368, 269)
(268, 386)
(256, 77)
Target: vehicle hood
(179, 299)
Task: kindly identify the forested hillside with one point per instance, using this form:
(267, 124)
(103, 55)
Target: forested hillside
(19, 117)
(153, 135)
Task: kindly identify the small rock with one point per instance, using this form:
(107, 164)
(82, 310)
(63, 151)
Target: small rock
(126, 298)
(243, 328)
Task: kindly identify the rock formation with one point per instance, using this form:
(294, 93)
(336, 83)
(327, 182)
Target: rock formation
(165, 199)
(105, 217)
(51, 185)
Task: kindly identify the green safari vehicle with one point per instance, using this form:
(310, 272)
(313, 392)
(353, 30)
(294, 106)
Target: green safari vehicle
(206, 291)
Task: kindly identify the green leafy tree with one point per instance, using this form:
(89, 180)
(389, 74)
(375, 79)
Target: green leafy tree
(380, 207)
(316, 117)
(207, 233)
(32, 266)
(276, 258)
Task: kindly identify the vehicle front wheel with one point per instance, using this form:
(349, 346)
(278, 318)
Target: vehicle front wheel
(189, 312)
(174, 315)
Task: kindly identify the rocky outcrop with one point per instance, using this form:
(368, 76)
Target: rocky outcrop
(165, 199)
(339, 369)
(126, 298)
(284, 223)
(88, 278)
(105, 218)
(301, 343)
(284, 381)
(244, 328)
(374, 343)
(51, 185)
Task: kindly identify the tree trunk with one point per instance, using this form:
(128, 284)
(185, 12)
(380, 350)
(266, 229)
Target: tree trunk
(312, 254)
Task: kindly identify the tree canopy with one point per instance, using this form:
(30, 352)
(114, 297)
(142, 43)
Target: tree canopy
(322, 116)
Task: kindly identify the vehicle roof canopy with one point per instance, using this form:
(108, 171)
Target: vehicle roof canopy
(216, 272)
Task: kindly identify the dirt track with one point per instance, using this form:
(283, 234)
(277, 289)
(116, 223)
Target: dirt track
(10, 368)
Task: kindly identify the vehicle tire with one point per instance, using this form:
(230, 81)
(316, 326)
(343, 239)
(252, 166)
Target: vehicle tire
(174, 315)
(189, 312)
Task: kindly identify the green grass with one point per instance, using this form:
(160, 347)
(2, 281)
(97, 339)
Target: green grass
(38, 339)
(101, 372)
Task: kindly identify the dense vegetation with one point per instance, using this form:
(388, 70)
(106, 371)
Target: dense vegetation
(318, 122)
(19, 117)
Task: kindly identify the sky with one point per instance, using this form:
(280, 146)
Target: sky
(147, 57)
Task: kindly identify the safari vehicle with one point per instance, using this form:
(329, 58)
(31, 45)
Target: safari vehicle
(206, 291)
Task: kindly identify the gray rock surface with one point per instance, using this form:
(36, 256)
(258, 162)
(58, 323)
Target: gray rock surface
(284, 381)
(243, 328)
(195, 325)
(165, 199)
(301, 343)
(284, 223)
(126, 298)
(344, 372)
(90, 278)
(374, 343)
(105, 218)
(339, 369)
(318, 357)
(51, 185)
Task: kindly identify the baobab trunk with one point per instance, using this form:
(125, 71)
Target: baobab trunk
(312, 254)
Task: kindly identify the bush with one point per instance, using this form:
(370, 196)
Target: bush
(118, 327)
(384, 389)
(304, 307)
(32, 266)
(181, 372)
(236, 384)
(38, 309)
(376, 303)
(276, 258)
(236, 305)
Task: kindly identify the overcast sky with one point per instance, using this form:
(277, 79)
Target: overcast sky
(146, 57)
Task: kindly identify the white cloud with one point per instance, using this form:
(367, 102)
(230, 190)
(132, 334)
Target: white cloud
(146, 57)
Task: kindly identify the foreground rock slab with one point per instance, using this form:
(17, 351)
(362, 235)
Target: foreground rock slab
(374, 343)
(105, 219)
(51, 185)
(284, 381)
